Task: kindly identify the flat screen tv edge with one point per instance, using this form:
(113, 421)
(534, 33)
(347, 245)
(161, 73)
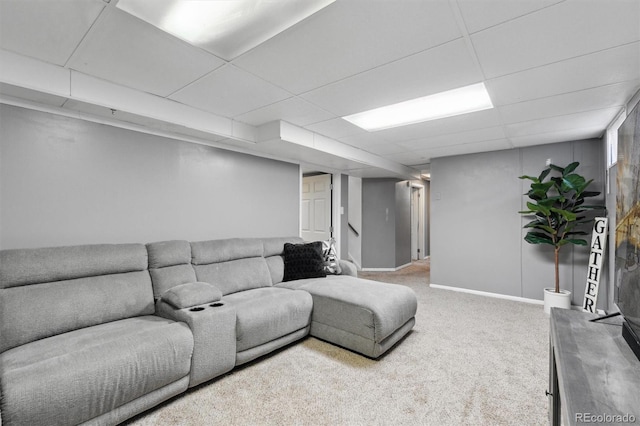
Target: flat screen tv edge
(627, 255)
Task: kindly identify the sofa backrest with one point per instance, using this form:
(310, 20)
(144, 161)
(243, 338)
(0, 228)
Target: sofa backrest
(170, 265)
(48, 291)
(273, 249)
(232, 265)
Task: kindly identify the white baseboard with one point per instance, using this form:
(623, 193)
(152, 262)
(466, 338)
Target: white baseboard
(386, 269)
(488, 294)
(504, 296)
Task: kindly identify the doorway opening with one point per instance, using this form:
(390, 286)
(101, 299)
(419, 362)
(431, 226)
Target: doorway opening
(417, 222)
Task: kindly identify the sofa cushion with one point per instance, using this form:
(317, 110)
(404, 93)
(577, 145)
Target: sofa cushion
(266, 314)
(47, 291)
(73, 377)
(365, 308)
(36, 311)
(164, 279)
(235, 275)
(276, 268)
(169, 265)
(215, 251)
(41, 265)
(169, 253)
(303, 261)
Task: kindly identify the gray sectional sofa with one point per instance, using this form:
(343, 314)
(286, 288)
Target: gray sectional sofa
(96, 334)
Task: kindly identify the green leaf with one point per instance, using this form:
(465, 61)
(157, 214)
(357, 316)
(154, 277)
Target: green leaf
(576, 233)
(557, 181)
(573, 182)
(587, 194)
(541, 188)
(544, 174)
(571, 167)
(566, 214)
(538, 238)
(535, 179)
(538, 224)
(538, 208)
(572, 241)
(547, 228)
(556, 168)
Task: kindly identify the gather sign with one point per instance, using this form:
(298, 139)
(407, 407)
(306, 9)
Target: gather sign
(598, 241)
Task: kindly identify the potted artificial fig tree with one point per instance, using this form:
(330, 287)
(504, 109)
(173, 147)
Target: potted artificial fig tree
(557, 206)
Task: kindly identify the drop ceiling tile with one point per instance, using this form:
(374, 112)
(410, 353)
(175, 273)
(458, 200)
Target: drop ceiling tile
(471, 148)
(473, 136)
(479, 15)
(295, 110)
(46, 30)
(127, 51)
(565, 30)
(349, 37)
(558, 136)
(364, 139)
(606, 67)
(460, 123)
(229, 92)
(591, 119)
(336, 128)
(614, 95)
(445, 67)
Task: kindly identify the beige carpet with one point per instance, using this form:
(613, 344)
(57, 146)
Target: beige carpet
(470, 360)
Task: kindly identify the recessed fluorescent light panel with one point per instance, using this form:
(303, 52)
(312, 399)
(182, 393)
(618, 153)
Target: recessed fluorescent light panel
(445, 104)
(226, 28)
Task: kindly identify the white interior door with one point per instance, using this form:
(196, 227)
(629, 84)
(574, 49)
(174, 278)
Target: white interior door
(315, 222)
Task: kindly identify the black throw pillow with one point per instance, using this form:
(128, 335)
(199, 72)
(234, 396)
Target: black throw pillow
(303, 261)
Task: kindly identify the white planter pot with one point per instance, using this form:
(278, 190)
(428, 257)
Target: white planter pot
(556, 300)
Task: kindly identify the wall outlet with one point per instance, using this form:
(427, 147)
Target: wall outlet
(548, 162)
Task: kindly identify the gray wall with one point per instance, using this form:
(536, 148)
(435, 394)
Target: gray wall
(378, 223)
(386, 223)
(66, 181)
(477, 240)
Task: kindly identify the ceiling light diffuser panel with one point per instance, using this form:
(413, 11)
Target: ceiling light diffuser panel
(445, 104)
(226, 28)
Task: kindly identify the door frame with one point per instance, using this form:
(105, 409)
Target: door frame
(418, 217)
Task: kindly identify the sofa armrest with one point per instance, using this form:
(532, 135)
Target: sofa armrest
(213, 326)
(348, 268)
(191, 294)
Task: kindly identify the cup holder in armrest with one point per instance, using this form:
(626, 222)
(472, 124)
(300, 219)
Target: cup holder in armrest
(216, 304)
(197, 309)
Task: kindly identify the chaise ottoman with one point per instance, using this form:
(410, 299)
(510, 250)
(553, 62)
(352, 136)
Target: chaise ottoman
(364, 316)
